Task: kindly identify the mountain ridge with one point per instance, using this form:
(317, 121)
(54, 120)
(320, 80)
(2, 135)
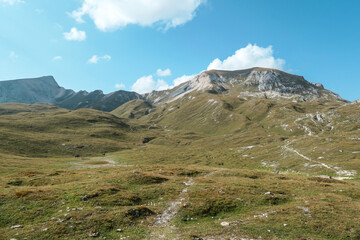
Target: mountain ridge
(246, 83)
(253, 82)
(46, 90)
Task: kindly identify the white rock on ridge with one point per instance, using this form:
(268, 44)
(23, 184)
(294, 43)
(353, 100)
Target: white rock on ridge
(253, 83)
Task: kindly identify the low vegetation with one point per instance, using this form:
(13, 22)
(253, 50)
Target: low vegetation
(88, 174)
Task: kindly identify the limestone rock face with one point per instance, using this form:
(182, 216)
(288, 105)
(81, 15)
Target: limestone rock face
(248, 83)
(32, 90)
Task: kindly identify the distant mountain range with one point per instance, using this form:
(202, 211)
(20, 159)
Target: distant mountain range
(246, 84)
(46, 90)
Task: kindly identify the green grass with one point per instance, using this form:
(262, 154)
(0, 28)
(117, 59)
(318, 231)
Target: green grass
(118, 182)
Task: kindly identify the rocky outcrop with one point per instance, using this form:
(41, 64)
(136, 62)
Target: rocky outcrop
(249, 83)
(32, 90)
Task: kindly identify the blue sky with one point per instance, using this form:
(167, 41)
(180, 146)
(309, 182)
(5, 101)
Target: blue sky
(119, 45)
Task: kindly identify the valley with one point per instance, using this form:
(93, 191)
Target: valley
(250, 154)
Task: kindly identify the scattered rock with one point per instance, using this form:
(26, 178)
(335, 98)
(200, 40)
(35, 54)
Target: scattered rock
(139, 212)
(225, 224)
(119, 230)
(93, 234)
(16, 226)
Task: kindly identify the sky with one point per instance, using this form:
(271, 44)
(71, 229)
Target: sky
(144, 45)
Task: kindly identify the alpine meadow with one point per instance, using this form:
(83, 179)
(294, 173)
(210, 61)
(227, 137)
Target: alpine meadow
(200, 132)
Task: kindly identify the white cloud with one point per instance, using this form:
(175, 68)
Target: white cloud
(119, 85)
(11, 2)
(95, 59)
(163, 73)
(147, 84)
(113, 14)
(182, 79)
(75, 35)
(161, 85)
(13, 56)
(248, 57)
(57, 58)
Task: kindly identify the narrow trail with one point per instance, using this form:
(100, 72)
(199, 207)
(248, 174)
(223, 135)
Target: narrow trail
(162, 228)
(337, 170)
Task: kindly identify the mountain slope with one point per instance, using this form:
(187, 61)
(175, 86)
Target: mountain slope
(46, 90)
(218, 102)
(97, 100)
(47, 130)
(248, 83)
(32, 90)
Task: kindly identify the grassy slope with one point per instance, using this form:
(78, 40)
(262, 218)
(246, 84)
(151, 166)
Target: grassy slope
(46, 195)
(64, 198)
(44, 130)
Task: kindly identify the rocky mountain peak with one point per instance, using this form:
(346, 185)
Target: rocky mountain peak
(31, 90)
(254, 82)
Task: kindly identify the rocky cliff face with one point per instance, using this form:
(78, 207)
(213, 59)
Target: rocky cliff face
(249, 83)
(46, 90)
(32, 90)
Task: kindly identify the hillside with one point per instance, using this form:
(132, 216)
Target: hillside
(46, 130)
(250, 154)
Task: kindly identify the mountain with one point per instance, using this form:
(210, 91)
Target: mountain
(248, 83)
(32, 90)
(218, 102)
(46, 90)
(97, 100)
(250, 154)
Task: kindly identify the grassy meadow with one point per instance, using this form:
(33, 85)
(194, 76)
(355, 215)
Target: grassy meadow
(87, 174)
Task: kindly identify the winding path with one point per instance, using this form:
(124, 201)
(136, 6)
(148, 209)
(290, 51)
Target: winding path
(162, 229)
(337, 170)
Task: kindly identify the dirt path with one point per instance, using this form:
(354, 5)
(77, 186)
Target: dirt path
(162, 228)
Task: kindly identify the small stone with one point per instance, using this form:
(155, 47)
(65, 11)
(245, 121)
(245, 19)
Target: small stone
(119, 230)
(45, 229)
(93, 234)
(16, 226)
(285, 224)
(225, 224)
